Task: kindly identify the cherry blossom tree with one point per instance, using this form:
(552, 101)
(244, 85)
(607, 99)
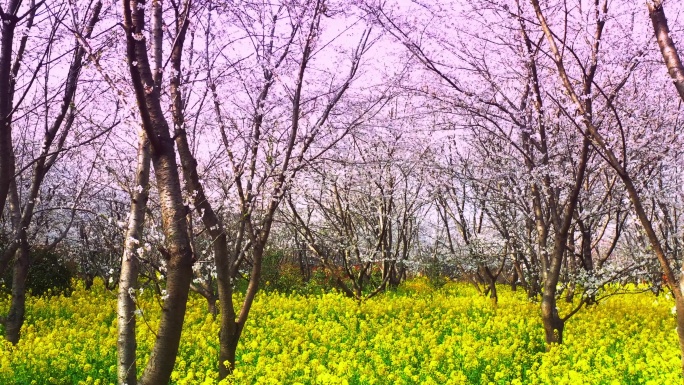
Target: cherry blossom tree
(360, 211)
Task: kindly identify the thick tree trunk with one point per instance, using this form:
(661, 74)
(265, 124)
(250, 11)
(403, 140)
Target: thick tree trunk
(553, 324)
(395, 277)
(7, 161)
(128, 280)
(179, 266)
(493, 296)
(15, 319)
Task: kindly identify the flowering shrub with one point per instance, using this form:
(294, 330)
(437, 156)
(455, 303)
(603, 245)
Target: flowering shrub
(426, 336)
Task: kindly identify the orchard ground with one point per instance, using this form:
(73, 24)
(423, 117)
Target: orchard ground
(417, 335)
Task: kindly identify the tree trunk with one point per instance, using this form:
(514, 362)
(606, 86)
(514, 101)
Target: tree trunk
(7, 160)
(179, 266)
(395, 277)
(22, 217)
(571, 266)
(229, 332)
(514, 280)
(128, 280)
(231, 326)
(89, 280)
(206, 290)
(493, 296)
(533, 279)
(553, 324)
(675, 286)
(667, 46)
(676, 71)
(229, 336)
(211, 307)
(15, 319)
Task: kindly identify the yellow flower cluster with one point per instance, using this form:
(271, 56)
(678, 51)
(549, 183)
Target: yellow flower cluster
(415, 336)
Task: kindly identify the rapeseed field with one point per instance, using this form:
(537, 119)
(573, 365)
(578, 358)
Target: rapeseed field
(415, 336)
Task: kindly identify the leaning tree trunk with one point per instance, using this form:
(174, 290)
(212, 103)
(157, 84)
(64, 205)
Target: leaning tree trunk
(231, 327)
(63, 120)
(230, 331)
(676, 70)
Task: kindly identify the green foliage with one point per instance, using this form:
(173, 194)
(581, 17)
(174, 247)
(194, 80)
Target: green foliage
(320, 282)
(270, 269)
(48, 275)
(287, 278)
(433, 271)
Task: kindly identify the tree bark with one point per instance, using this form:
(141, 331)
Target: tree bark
(179, 266)
(15, 318)
(667, 47)
(7, 161)
(229, 332)
(592, 131)
(22, 217)
(128, 279)
(553, 324)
